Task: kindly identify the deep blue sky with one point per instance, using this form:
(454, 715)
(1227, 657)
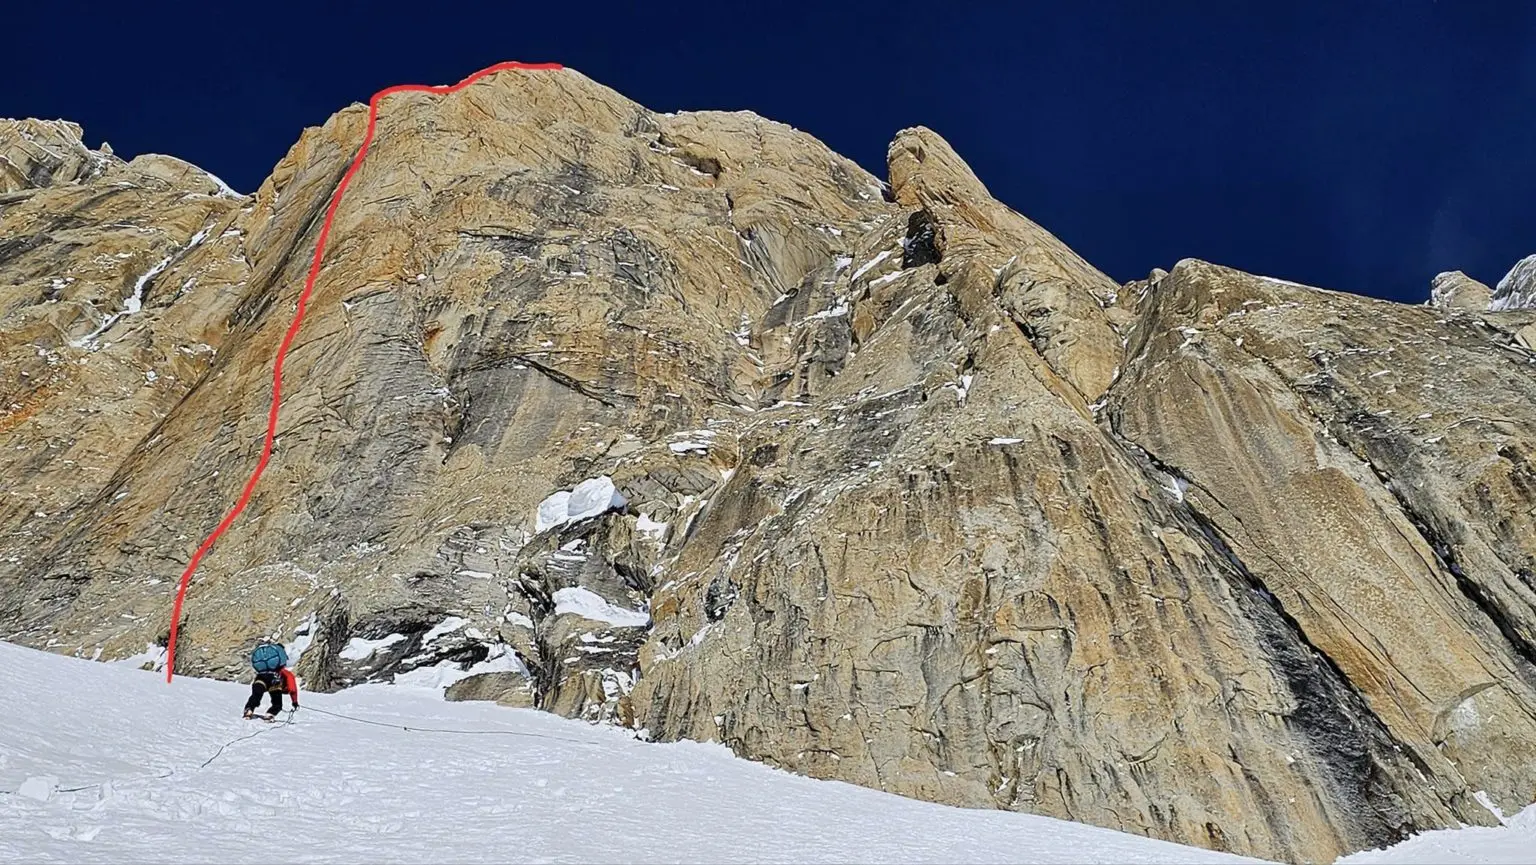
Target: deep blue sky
(1355, 145)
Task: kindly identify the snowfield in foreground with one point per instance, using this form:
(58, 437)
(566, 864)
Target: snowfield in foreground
(102, 763)
(1514, 843)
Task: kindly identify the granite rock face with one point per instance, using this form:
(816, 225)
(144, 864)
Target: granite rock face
(1455, 290)
(687, 423)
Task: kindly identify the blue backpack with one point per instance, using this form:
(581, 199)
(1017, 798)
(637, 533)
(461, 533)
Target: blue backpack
(269, 657)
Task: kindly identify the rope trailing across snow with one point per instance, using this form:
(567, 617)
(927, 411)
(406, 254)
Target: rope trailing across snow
(242, 739)
(163, 775)
(410, 729)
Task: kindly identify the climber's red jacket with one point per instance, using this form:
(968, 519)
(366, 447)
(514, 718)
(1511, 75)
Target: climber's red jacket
(290, 685)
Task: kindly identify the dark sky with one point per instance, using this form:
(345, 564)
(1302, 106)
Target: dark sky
(1355, 145)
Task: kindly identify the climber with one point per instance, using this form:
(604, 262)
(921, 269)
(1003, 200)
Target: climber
(270, 661)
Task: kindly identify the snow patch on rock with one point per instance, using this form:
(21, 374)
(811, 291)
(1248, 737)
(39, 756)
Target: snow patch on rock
(359, 649)
(590, 498)
(590, 605)
(152, 655)
(445, 673)
(446, 626)
(651, 528)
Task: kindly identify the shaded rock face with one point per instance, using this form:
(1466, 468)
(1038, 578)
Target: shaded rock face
(910, 495)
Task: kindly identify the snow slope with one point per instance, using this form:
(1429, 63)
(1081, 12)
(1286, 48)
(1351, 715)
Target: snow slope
(1514, 843)
(104, 763)
(327, 789)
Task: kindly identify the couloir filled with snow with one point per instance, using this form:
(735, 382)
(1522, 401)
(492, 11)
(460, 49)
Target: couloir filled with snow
(104, 763)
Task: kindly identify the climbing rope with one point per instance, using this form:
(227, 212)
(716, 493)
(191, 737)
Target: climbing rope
(167, 773)
(410, 729)
(242, 739)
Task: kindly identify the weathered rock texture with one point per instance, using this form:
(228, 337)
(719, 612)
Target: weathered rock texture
(912, 495)
(1455, 290)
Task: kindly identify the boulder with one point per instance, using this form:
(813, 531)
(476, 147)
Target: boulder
(508, 689)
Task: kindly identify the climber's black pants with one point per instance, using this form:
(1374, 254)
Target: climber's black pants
(260, 687)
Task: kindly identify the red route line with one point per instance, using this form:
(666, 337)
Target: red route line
(298, 319)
